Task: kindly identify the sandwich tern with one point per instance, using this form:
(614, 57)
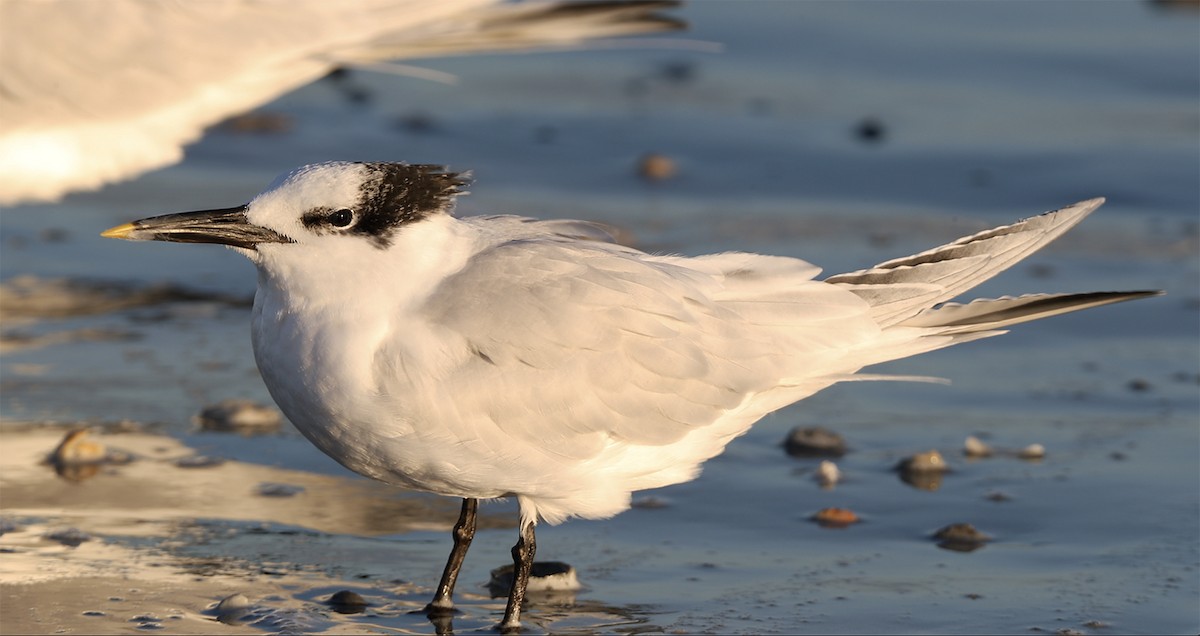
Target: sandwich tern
(502, 356)
(97, 92)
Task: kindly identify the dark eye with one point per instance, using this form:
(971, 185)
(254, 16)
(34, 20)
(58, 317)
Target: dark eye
(341, 218)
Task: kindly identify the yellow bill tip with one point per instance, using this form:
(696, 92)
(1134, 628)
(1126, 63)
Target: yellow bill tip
(120, 231)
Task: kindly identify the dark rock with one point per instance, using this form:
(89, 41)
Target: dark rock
(814, 442)
(347, 602)
(960, 537)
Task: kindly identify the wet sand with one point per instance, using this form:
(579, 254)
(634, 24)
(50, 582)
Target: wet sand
(130, 521)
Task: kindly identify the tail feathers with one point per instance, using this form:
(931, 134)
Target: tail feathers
(525, 26)
(987, 314)
(902, 288)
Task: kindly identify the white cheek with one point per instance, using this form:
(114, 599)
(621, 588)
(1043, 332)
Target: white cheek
(275, 210)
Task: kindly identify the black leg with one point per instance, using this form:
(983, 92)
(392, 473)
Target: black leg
(464, 531)
(522, 554)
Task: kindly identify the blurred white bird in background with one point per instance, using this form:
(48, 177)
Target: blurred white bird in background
(97, 92)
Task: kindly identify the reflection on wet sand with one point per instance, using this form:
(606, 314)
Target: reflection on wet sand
(146, 540)
(150, 485)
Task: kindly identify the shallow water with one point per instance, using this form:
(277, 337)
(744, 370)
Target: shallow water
(987, 111)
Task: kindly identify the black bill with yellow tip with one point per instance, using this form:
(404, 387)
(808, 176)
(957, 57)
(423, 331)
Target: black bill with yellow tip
(225, 227)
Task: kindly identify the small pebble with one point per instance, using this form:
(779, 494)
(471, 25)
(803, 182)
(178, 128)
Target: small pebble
(241, 416)
(870, 130)
(960, 537)
(927, 462)
(544, 576)
(1033, 451)
(347, 602)
(417, 123)
(258, 123)
(235, 601)
(835, 517)
(70, 537)
(827, 474)
(814, 441)
(233, 609)
(1138, 385)
(656, 167)
(54, 235)
(650, 502)
(923, 470)
(199, 461)
(974, 447)
(678, 71)
(279, 490)
(94, 613)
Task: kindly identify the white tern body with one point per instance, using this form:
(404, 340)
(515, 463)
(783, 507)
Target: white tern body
(501, 356)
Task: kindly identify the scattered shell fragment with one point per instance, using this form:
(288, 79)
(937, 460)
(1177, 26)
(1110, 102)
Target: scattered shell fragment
(79, 447)
(347, 602)
(974, 447)
(544, 576)
(960, 537)
(835, 517)
(1033, 451)
(814, 441)
(79, 456)
(656, 167)
(241, 416)
(827, 474)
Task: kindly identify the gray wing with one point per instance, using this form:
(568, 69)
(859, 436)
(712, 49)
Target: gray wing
(901, 288)
(576, 345)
